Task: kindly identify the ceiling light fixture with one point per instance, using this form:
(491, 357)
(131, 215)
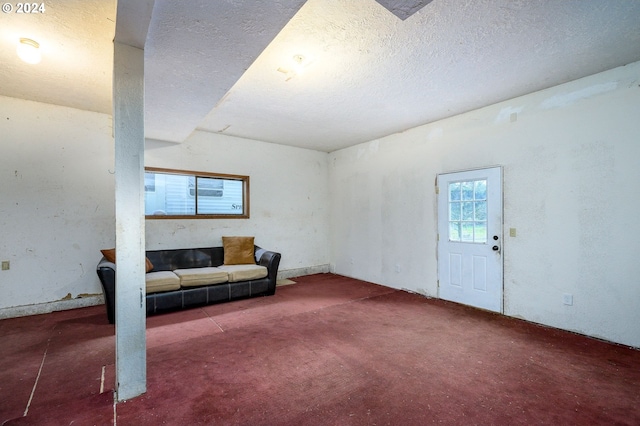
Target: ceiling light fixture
(29, 51)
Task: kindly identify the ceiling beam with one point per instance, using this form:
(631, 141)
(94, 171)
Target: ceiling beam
(194, 55)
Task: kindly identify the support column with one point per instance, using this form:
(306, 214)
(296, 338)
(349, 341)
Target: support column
(130, 312)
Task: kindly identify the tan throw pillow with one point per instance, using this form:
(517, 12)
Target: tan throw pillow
(110, 255)
(238, 250)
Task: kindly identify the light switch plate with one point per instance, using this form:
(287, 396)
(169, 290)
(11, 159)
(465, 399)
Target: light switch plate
(512, 232)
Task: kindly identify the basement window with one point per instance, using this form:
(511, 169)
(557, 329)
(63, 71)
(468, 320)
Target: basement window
(180, 194)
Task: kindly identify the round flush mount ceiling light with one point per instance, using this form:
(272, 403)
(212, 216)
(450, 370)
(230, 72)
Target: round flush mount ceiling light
(29, 51)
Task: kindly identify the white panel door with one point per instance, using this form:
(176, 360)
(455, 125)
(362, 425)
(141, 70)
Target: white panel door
(470, 238)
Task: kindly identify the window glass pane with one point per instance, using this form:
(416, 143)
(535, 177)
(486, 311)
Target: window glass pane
(454, 231)
(149, 182)
(480, 232)
(170, 196)
(454, 191)
(454, 211)
(193, 194)
(467, 210)
(208, 187)
(480, 210)
(481, 190)
(467, 232)
(467, 190)
(219, 196)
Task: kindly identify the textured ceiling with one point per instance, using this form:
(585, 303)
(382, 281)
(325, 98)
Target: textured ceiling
(368, 68)
(196, 51)
(404, 8)
(373, 74)
(76, 40)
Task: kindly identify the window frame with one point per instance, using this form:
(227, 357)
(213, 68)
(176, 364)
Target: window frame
(190, 173)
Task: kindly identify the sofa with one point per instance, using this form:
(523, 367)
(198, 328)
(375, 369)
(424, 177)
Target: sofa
(185, 278)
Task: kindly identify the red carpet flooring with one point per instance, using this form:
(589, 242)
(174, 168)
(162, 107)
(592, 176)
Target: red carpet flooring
(326, 351)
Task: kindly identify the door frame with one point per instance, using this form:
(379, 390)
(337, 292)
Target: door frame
(500, 227)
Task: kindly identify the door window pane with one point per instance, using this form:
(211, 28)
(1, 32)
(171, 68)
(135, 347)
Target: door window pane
(480, 190)
(468, 211)
(480, 232)
(454, 191)
(467, 190)
(480, 210)
(467, 232)
(454, 211)
(454, 231)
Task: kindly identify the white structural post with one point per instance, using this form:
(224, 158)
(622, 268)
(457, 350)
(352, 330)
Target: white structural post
(130, 311)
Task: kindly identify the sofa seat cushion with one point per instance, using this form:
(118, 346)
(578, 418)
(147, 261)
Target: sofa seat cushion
(161, 281)
(244, 272)
(194, 277)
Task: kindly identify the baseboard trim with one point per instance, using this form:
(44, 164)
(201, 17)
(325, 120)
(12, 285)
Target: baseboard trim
(298, 272)
(45, 308)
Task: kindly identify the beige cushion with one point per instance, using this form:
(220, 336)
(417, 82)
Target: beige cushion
(201, 276)
(238, 250)
(244, 272)
(161, 281)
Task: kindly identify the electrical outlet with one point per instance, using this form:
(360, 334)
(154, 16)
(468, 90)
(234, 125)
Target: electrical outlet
(5, 265)
(567, 299)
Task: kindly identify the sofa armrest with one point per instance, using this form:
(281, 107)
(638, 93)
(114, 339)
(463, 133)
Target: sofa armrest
(107, 273)
(104, 263)
(270, 260)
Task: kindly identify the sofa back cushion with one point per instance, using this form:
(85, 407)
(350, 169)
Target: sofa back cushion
(169, 260)
(110, 256)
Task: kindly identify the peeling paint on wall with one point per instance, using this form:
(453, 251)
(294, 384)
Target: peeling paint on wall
(51, 230)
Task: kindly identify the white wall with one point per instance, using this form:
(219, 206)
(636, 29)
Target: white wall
(289, 198)
(571, 164)
(571, 173)
(56, 201)
(57, 205)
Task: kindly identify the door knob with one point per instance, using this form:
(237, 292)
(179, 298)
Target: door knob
(495, 248)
